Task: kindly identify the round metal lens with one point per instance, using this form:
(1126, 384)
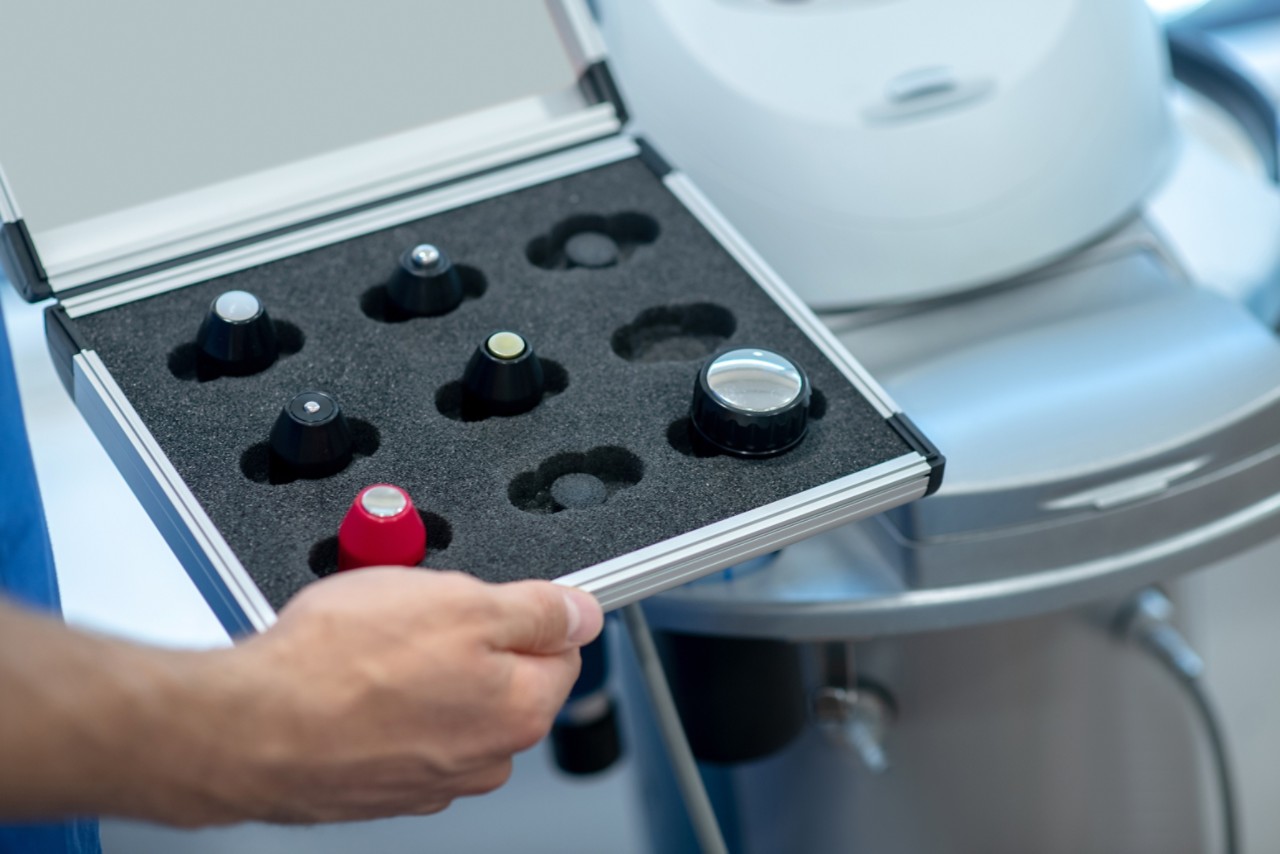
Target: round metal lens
(505, 345)
(425, 256)
(754, 380)
(237, 306)
(384, 501)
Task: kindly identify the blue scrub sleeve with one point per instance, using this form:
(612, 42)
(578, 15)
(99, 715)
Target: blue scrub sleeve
(27, 575)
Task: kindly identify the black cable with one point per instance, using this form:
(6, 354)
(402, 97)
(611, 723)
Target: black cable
(1217, 749)
(702, 814)
(1148, 621)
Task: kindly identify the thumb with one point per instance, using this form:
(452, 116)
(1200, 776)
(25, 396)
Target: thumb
(544, 618)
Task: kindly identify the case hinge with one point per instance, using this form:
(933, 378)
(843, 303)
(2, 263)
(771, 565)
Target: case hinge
(21, 263)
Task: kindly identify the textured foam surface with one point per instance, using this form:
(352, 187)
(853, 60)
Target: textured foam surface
(630, 339)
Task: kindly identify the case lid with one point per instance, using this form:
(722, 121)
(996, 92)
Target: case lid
(140, 132)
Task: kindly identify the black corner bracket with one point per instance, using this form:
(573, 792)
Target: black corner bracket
(20, 262)
(599, 86)
(651, 157)
(64, 343)
(912, 436)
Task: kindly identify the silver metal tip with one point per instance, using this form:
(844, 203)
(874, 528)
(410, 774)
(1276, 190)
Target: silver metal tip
(384, 501)
(424, 256)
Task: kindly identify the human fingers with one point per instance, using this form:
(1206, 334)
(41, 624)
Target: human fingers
(484, 780)
(440, 794)
(536, 691)
(542, 618)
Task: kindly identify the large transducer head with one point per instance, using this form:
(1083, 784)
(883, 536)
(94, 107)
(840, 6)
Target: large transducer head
(751, 403)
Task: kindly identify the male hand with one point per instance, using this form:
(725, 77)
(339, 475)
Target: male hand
(378, 692)
(384, 692)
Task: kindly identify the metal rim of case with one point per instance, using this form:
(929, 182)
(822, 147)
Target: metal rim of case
(664, 565)
(167, 499)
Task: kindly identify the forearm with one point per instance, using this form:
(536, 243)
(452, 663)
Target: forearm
(377, 693)
(90, 725)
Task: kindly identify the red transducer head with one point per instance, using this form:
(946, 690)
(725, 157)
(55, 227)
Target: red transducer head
(382, 528)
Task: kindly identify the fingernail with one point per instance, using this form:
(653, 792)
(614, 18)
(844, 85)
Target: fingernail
(585, 616)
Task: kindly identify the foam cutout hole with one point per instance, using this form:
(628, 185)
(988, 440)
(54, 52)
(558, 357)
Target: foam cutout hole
(555, 249)
(817, 404)
(376, 305)
(674, 333)
(683, 438)
(185, 362)
(323, 557)
(450, 402)
(576, 481)
(259, 465)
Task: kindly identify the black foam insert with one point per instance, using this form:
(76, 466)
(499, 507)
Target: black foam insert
(628, 341)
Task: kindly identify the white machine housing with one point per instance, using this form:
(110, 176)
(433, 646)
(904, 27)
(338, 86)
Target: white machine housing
(913, 147)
